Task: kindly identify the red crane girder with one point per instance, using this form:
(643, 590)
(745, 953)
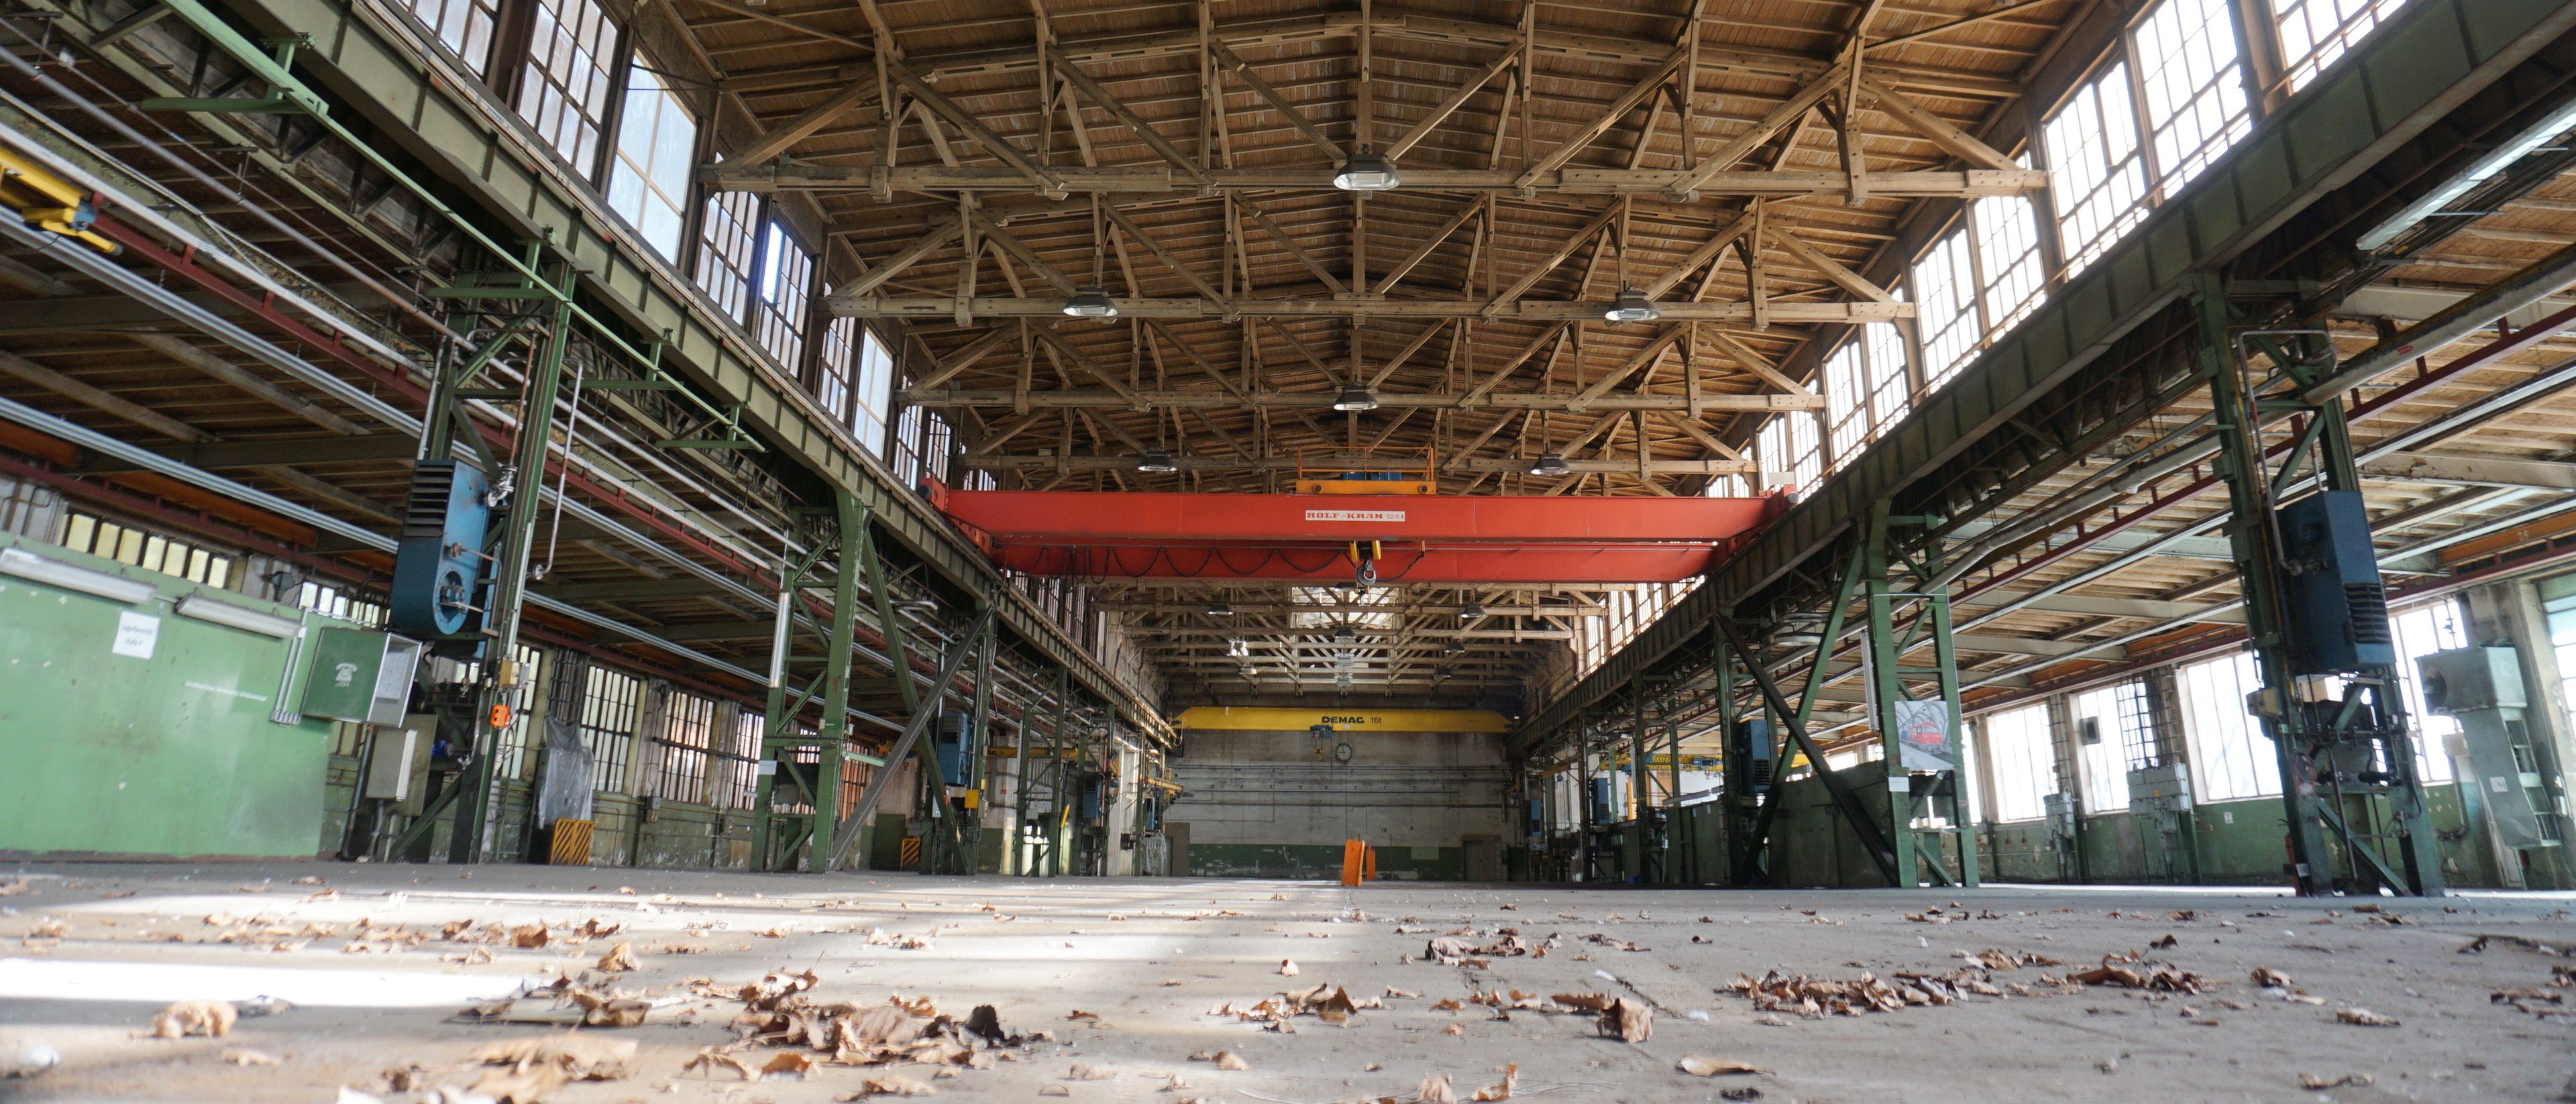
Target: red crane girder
(1415, 538)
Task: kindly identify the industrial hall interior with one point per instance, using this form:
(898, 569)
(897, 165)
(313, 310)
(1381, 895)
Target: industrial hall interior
(1306, 551)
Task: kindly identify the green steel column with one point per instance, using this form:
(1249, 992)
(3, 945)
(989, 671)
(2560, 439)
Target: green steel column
(970, 822)
(1735, 765)
(1945, 660)
(1640, 774)
(898, 666)
(1678, 850)
(2250, 537)
(503, 602)
(1886, 689)
(835, 731)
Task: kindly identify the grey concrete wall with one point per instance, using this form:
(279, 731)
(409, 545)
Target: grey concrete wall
(1280, 803)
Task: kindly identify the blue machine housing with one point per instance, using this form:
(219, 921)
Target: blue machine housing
(438, 566)
(2338, 608)
(951, 745)
(1758, 765)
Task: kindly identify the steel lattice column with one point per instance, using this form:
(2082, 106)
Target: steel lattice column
(2348, 764)
(1920, 779)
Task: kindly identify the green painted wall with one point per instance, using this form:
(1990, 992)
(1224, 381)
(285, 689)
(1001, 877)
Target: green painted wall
(171, 755)
(2233, 843)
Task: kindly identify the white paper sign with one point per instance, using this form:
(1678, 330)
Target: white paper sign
(136, 633)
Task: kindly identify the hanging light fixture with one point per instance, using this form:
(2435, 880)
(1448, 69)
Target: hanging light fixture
(1472, 610)
(1220, 609)
(1091, 302)
(1366, 171)
(1631, 306)
(1355, 398)
(1549, 463)
(1453, 648)
(1157, 463)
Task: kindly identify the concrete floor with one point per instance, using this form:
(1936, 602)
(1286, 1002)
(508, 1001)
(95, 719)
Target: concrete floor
(1152, 957)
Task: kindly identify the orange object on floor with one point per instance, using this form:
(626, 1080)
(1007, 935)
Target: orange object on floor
(1359, 862)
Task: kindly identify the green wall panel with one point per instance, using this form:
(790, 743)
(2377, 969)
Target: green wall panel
(170, 755)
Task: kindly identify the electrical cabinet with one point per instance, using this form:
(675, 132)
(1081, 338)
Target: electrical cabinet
(1759, 766)
(2337, 606)
(360, 675)
(2164, 787)
(951, 744)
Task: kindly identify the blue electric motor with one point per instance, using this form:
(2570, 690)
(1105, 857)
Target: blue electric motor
(438, 566)
(2330, 580)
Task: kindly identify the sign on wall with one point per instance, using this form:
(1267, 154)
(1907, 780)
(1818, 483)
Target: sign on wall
(1227, 718)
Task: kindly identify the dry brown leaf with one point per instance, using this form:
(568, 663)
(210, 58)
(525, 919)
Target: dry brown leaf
(528, 936)
(1446, 1004)
(1454, 1029)
(1287, 967)
(1435, 1090)
(2312, 1081)
(1501, 1090)
(245, 1056)
(2364, 1017)
(887, 1084)
(212, 1018)
(618, 960)
(1588, 1002)
(1082, 1072)
(1697, 1066)
(520, 1085)
(2269, 978)
(711, 1058)
(1224, 1059)
(1392, 991)
(787, 1066)
(588, 1056)
(1630, 1020)
(1078, 1014)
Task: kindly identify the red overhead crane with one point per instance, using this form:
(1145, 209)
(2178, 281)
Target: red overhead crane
(1330, 538)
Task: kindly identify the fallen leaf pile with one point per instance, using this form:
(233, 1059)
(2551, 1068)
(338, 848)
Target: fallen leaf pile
(1452, 950)
(1936, 915)
(524, 1071)
(780, 1013)
(2154, 978)
(1327, 1002)
(1815, 997)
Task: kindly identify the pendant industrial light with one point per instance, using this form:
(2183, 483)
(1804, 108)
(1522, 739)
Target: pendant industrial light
(1157, 463)
(1549, 463)
(1220, 609)
(1472, 610)
(1355, 399)
(1092, 300)
(1366, 171)
(1631, 306)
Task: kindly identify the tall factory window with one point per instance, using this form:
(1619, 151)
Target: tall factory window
(84, 532)
(2009, 281)
(564, 92)
(875, 389)
(2097, 178)
(2018, 755)
(1944, 284)
(736, 776)
(2422, 631)
(1847, 402)
(2316, 32)
(608, 714)
(688, 733)
(786, 284)
(2189, 68)
(656, 143)
(725, 247)
(465, 26)
(1787, 447)
(1883, 346)
(832, 365)
(2231, 759)
(2113, 735)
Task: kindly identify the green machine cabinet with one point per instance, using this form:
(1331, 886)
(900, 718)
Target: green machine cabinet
(360, 675)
